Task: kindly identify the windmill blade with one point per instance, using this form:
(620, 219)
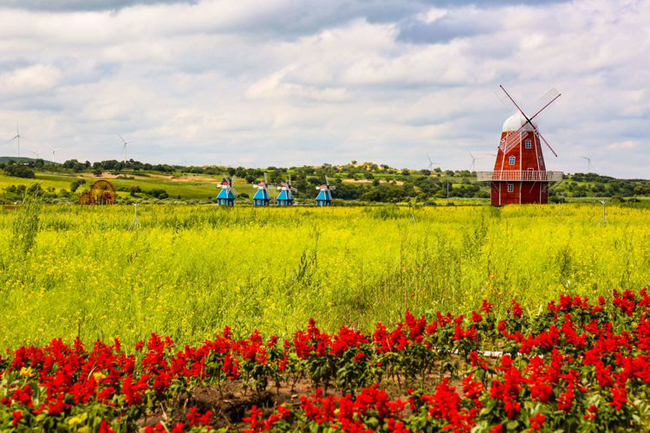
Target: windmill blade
(327, 181)
(513, 101)
(512, 139)
(545, 142)
(503, 99)
(542, 109)
(332, 188)
(234, 190)
(547, 99)
(266, 182)
(232, 181)
(289, 183)
(293, 189)
(123, 140)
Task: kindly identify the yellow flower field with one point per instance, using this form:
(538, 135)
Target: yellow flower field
(190, 270)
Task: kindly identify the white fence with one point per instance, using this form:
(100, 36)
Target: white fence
(520, 175)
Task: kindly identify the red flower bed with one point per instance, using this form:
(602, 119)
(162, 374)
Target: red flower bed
(576, 365)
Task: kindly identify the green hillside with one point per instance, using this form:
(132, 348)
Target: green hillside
(355, 183)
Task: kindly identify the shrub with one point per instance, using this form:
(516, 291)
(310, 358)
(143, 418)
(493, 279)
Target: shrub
(19, 170)
(158, 193)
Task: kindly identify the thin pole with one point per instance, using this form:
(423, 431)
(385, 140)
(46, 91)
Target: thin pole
(135, 222)
(447, 181)
(604, 218)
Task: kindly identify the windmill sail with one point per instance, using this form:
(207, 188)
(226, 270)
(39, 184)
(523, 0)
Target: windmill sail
(512, 139)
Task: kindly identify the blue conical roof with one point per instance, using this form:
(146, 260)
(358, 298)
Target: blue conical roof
(226, 194)
(324, 195)
(284, 195)
(261, 194)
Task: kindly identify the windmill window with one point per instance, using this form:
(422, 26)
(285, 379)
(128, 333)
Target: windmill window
(512, 160)
(528, 144)
(511, 187)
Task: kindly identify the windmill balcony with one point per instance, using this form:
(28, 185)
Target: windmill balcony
(519, 175)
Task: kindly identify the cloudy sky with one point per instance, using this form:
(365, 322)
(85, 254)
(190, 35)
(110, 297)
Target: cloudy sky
(293, 82)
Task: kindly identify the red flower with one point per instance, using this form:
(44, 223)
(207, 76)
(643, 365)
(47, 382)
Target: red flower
(619, 397)
(516, 309)
(105, 427)
(230, 367)
(17, 417)
(565, 400)
(537, 422)
(486, 307)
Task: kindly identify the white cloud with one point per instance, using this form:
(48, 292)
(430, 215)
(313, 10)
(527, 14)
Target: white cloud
(627, 144)
(431, 15)
(306, 82)
(29, 80)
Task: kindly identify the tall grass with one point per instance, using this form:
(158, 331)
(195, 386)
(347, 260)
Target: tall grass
(190, 270)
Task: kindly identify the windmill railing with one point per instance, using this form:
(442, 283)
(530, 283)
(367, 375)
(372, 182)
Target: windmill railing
(519, 176)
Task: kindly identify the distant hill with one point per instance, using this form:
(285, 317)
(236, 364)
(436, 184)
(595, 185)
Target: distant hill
(6, 159)
(358, 183)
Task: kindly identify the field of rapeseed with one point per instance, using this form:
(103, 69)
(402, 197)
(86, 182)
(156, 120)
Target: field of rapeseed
(194, 318)
(187, 271)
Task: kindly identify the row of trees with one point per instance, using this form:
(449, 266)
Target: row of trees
(372, 182)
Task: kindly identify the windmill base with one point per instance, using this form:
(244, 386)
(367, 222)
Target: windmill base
(518, 192)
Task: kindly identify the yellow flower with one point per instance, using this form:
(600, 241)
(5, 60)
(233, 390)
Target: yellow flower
(98, 376)
(26, 372)
(75, 420)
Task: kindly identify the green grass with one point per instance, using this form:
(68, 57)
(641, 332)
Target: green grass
(205, 186)
(190, 270)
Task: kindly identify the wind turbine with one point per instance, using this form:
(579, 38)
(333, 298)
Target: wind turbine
(588, 158)
(124, 148)
(474, 158)
(36, 153)
(17, 138)
(431, 163)
(53, 149)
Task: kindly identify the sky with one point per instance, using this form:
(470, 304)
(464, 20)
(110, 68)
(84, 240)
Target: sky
(306, 82)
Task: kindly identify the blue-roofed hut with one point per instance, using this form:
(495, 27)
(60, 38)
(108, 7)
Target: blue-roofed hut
(261, 197)
(226, 197)
(324, 197)
(285, 198)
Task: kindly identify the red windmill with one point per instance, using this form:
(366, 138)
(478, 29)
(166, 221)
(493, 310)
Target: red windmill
(520, 174)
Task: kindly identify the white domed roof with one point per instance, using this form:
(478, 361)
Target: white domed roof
(514, 122)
